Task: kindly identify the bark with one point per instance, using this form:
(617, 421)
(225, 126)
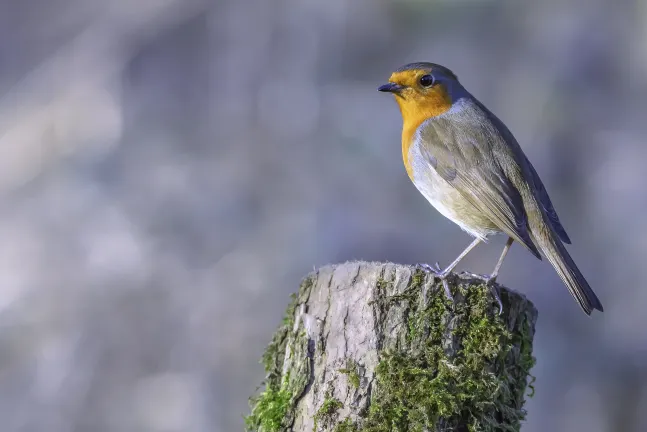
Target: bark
(379, 347)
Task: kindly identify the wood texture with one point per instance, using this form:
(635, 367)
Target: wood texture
(378, 347)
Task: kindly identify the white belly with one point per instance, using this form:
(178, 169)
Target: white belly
(445, 198)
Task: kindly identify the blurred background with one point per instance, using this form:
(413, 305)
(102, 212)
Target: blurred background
(170, 170)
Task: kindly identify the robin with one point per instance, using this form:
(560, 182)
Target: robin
(469, 166)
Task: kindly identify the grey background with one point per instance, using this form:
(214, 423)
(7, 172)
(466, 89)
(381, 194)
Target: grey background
(170, 169)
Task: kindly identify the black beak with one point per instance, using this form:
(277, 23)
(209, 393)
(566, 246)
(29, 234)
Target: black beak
(391, 88)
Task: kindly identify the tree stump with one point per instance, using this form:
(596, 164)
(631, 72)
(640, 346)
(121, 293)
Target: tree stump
(378, 347)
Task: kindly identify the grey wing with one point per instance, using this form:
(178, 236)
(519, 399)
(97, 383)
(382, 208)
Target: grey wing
(548, 205)
(542, 194)
(464, 159)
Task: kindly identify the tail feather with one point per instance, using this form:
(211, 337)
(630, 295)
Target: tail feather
(565, 267)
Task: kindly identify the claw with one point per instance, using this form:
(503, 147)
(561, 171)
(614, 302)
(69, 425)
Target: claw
(440, 274)
(484, 278)
(432, 269)
(428, 268)
(448, 293)
(495, 292)
(489, 280)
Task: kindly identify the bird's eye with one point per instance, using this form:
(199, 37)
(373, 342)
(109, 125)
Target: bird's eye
(427, 80)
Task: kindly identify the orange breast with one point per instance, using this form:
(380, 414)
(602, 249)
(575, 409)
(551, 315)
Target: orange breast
(408, 132)
(416, 109)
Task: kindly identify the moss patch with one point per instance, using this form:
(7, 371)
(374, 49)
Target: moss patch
(326, 413)
(456, 372)
(346, 426)
(272, 409)
(269, 410)
(351, 371)
(455, 366)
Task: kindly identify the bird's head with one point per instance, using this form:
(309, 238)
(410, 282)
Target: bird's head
(424, 90)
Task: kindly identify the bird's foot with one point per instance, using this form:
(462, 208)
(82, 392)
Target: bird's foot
(482, 277)
(435, 269)
(490, 282)
(440, 274)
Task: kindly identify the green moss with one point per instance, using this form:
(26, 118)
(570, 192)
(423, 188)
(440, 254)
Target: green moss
(346, 426)
(453, 369)
(326, 412)
(382, 284)
(420, 386)
(272, 409)
(351, 371)
(417, 279)
(269, 411)
(526, 359)
(272, 358)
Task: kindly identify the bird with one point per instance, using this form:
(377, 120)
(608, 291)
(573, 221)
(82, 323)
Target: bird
(468, 165)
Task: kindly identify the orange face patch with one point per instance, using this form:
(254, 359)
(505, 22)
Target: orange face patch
(416, 101)
(409, 77)
(417, 104)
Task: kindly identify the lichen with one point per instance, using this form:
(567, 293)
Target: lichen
(272, 409)
(432, 385)
(351, 371)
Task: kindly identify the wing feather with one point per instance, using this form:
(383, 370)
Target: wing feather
(464, 157)
(548, 205)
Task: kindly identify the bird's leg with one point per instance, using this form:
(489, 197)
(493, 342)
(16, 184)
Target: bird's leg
(442, 275)
(499, 263)
(489, 280)
(458, 259)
